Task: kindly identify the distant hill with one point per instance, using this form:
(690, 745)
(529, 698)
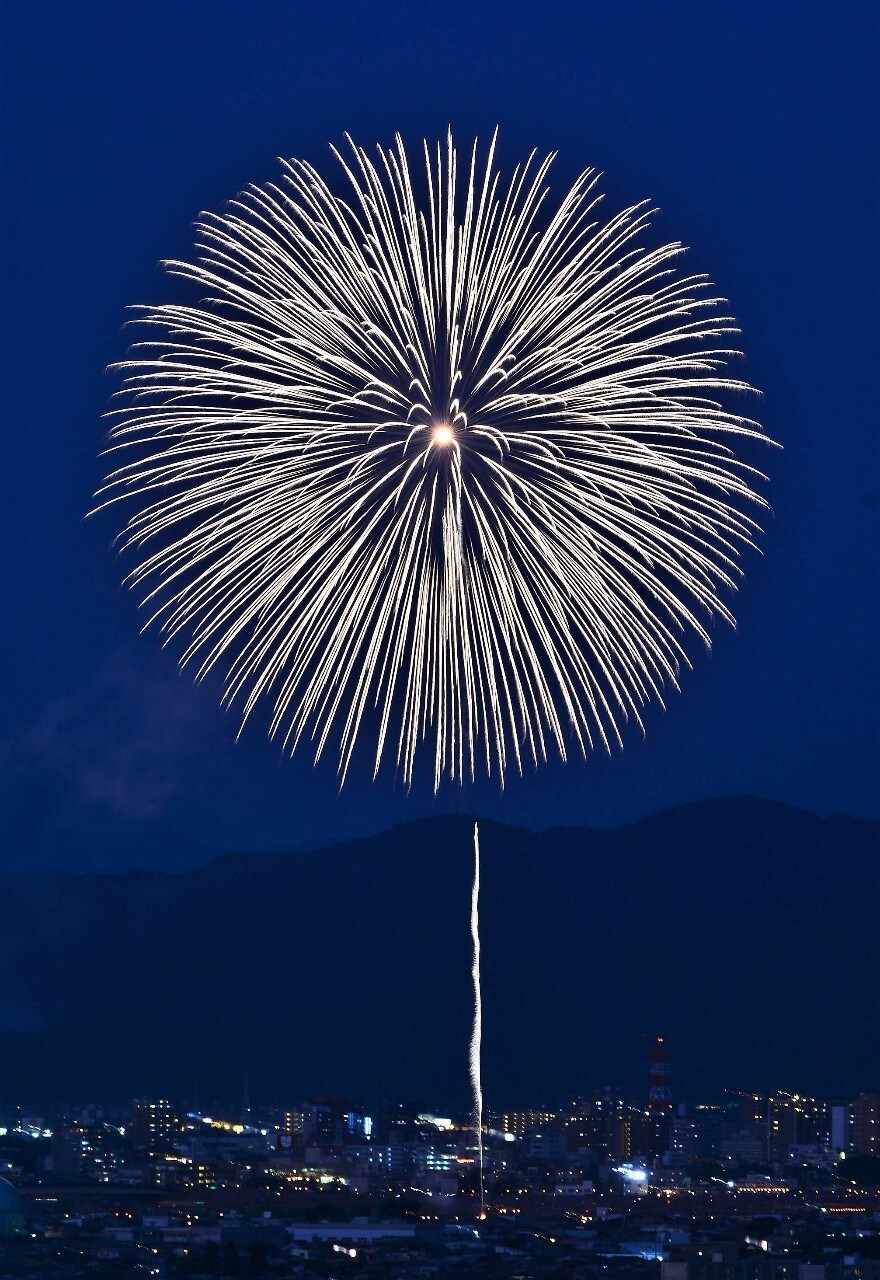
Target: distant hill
(743, 930)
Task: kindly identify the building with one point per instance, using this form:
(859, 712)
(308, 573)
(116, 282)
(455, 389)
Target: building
(694, 1135)
(86, 1151)
(659, 1098)
(743, 1144)
(155, 1125)
(67, 1153)
(622, 1128)
(11, 1212)
(292, 1122)
(788, 1122)
(325, 1122)
(795, 1121)
(791, 1122)
(864, 1136)
(360, 1231)
(520, 1123)
(547, 1143)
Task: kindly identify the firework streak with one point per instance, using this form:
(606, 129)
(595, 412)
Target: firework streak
(435, 464)
(477, 1032)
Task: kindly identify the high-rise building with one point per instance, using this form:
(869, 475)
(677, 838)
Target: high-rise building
(520, 1123)
(325, 1121)
(155, 1125)
(790, 1122)
(610, 1126)
(547, 1142)
(81, 1151)
(743, 1144)
(796, 1121)
(660, 1078)
(358, 1124)
(12, 1220)
(865, 1130)
(839, 1126)
(694, 1134)
(293, 1122)
(67, 1152)
(659, 1097)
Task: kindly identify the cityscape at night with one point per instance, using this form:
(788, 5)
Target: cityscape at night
(777, 1186)
(440, 732)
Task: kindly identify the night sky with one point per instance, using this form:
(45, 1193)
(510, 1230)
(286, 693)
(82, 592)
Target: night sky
(752, 126)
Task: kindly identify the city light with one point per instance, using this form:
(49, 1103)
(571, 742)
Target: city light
(594, 1178)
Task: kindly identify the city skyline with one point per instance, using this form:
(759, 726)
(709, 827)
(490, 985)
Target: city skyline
(779, 1130)
(449, 495)
(779, 1188)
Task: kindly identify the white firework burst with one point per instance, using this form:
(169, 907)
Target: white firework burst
(433, 464)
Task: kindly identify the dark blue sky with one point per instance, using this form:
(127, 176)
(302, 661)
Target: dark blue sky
(753, 126)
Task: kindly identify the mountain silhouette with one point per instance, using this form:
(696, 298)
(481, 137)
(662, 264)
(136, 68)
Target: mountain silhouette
(745, 931)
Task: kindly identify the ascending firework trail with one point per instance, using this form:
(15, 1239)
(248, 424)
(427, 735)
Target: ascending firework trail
(477, 1031)
(434, 464)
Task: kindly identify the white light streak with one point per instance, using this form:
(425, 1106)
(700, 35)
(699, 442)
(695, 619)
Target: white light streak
(475, 1057)
(435, 463)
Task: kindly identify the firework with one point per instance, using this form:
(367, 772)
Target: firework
(475, 1056)
(434, 464)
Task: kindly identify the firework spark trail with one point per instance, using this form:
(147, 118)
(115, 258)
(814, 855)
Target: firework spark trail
(434, 464)
(475, 1058)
